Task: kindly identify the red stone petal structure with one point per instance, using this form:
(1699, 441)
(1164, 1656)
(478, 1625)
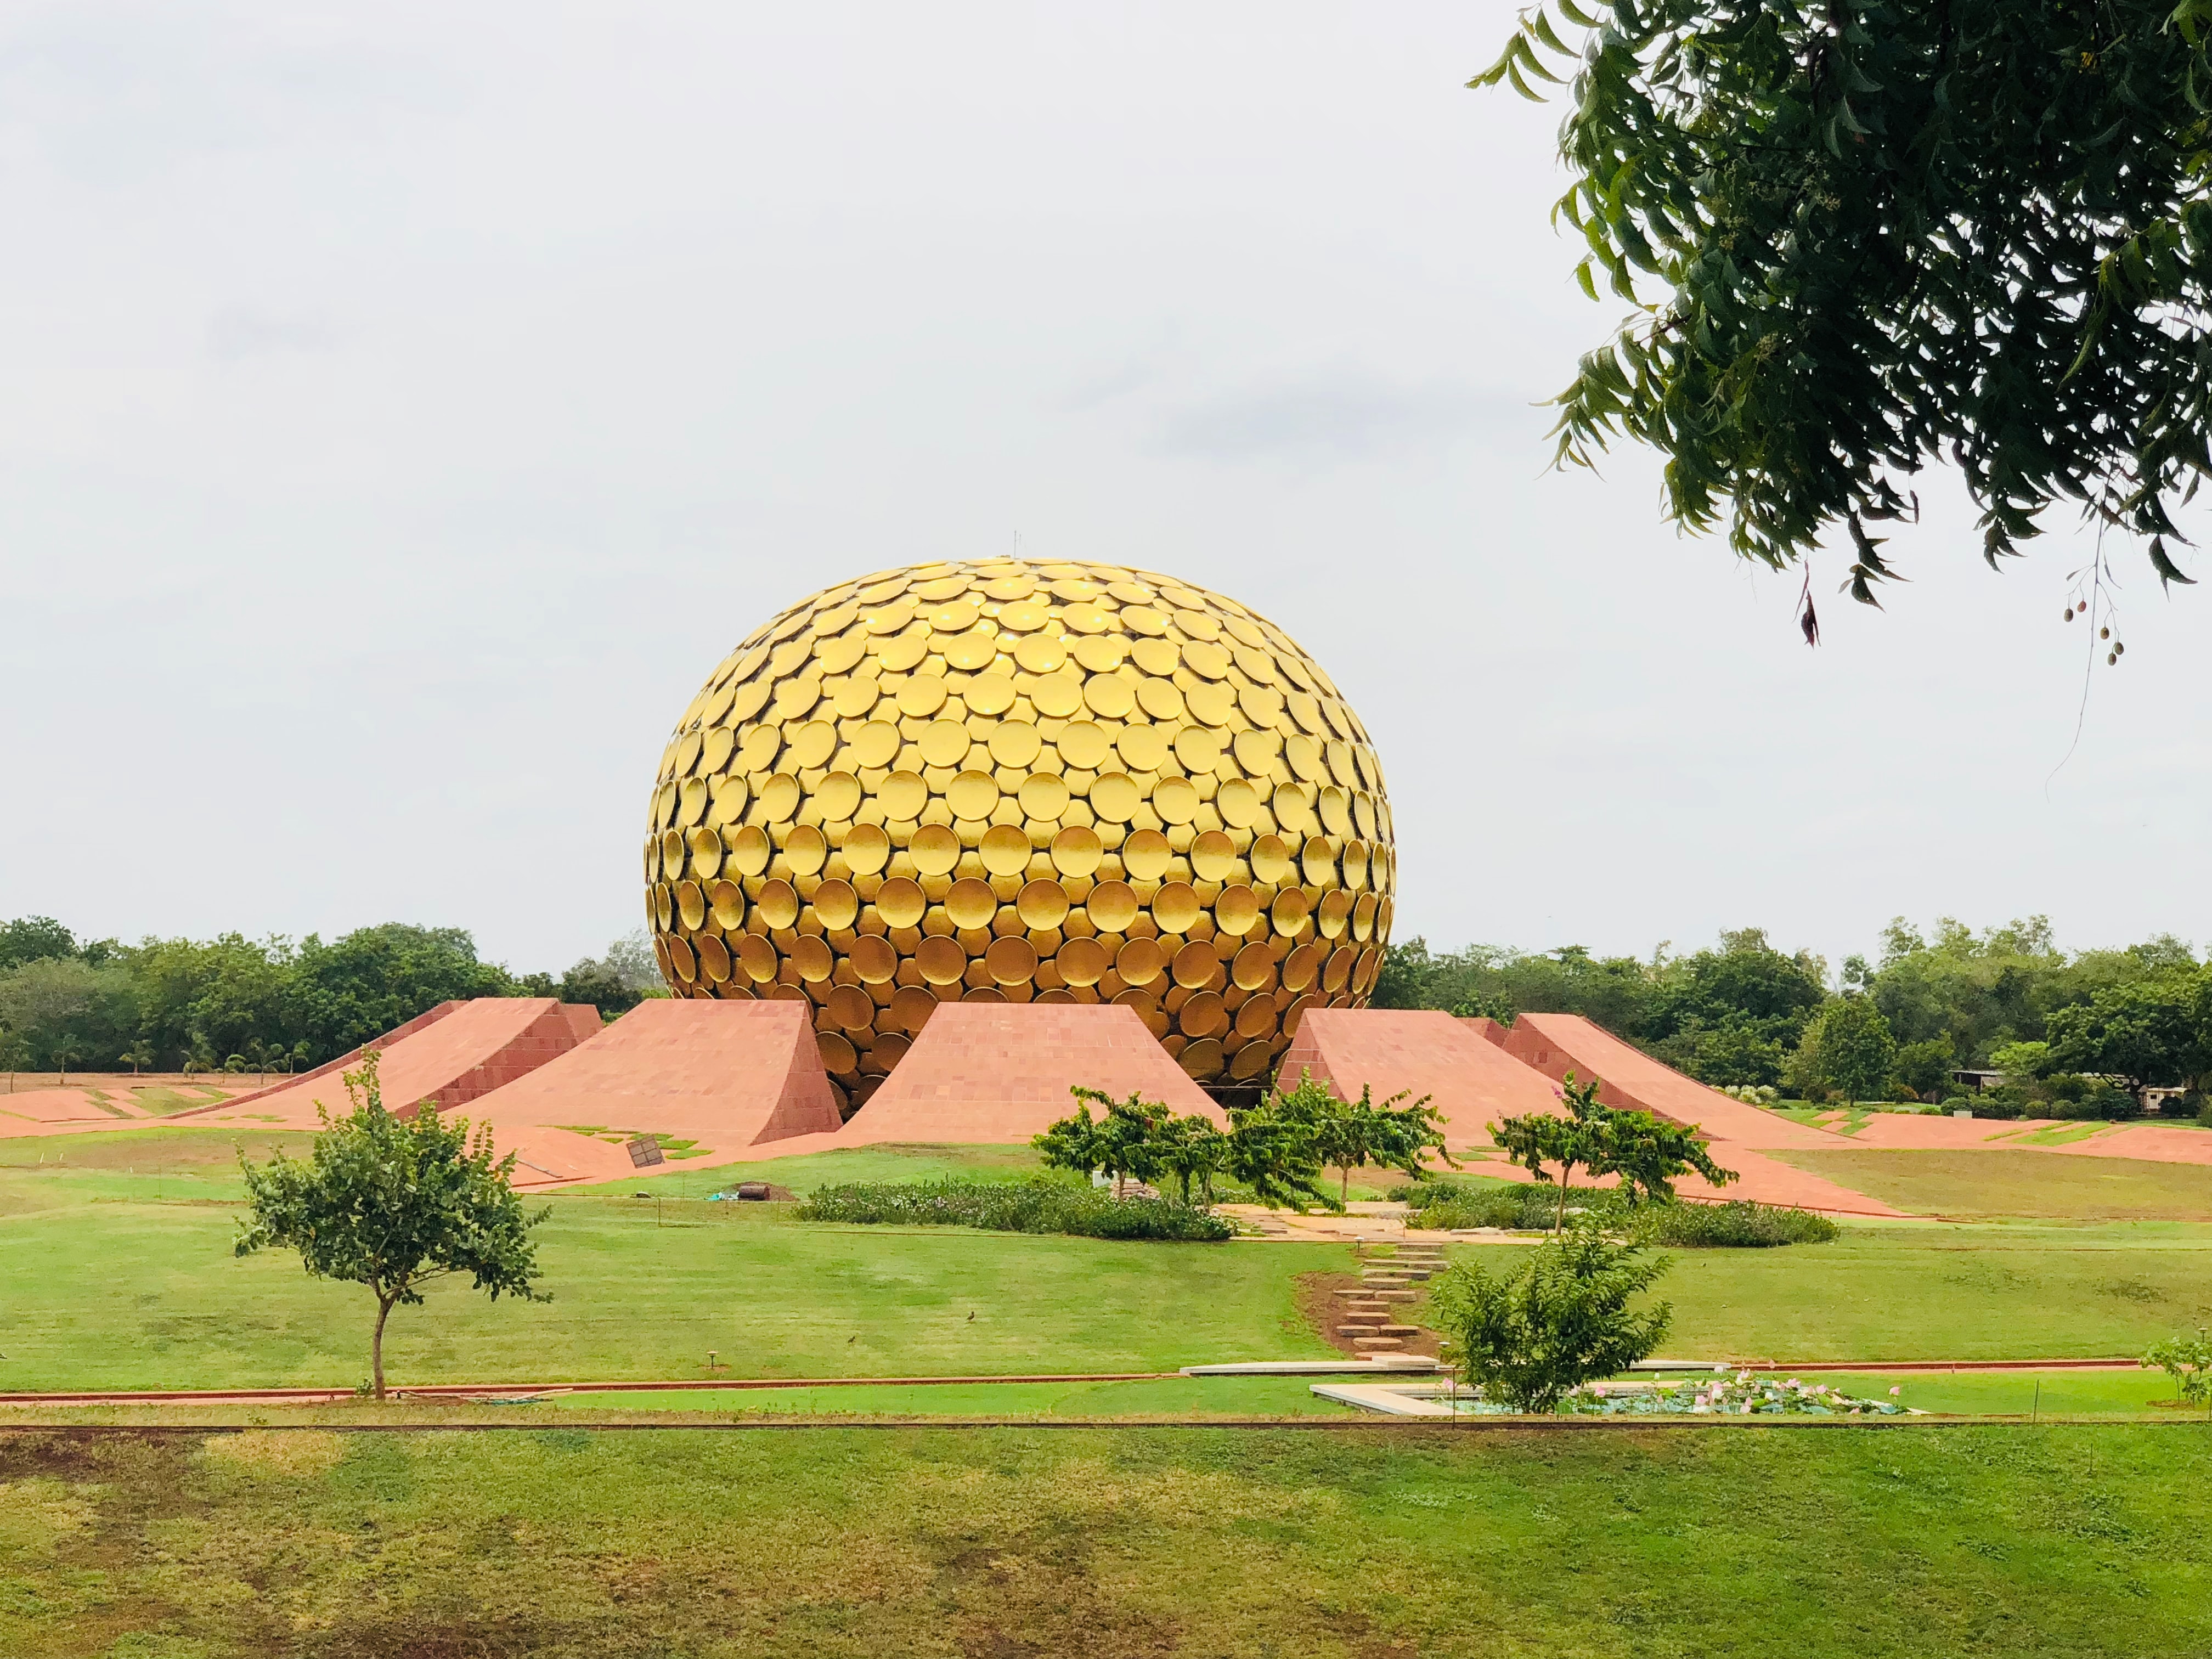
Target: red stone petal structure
(726, 1076)
(1472, 1082)
(995, 1073)
(453, 1054)
(1556, 1044)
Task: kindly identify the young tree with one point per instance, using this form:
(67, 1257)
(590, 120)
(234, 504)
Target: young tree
(2188, 1361)
(1888, 233)
(1539, 1139)
(1558, 1320)
(395, 1204)
(1643, 1152)
(1272, 1146)
(1191, 1149)
(1350, 1134)
(1849, 1048)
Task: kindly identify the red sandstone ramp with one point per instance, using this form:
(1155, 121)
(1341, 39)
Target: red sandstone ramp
(995, 1073)
(470, 1049)
(1556, 1044)
(346, 1062)
(727, 1075)
(1472, 1082)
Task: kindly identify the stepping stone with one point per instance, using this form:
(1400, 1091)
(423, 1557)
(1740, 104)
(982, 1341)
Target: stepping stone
(1369, 1344)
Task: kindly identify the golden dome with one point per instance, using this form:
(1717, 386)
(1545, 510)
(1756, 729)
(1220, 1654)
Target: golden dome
(1018, 780)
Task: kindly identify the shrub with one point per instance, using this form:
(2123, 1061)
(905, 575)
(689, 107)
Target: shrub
(1559, 1320)
(1446, 1205)
(1012, 1206)
(1737, 1226)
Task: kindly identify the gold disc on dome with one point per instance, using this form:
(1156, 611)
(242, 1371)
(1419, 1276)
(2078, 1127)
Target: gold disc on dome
(837, 796)
(1111, 696)
(1238, 803)
(988, 694)
(1318, 860)
(726, 902)
(1111, 906)
(983, 993)
(1363, 916)
(1004, 850)
(874, 959)
(1012, 585)
(972, 795)
(934, 849)
(911, 1007)
(1042, 904)
(971, 903)
(1251, 1060)
(758, 747)
(1142, 748)
(944, 743)
(1057, 695)
(887, 1050)
(1014, 743)
(876, 744)
(750, 849)
(1355, 865)
(904, 795)
(1044, 795)
(1290, 909)
(1076, 851)
(806, 849)
(1200, 1059)
(941, 960)
(1039, 653)
(838, 1057)
(1204, 1015)
(780, 797)
(900, 903)
(1156, 656)
(1160, 699)
(811, 744)
(1334, 914)
(971, 650)
(1213, 856)
(714, 753)
(1114, 797)
(705, 852)
(1011, 960)
(1257, 1019)
(898, 656)
(1216, 705)
(1083, 745)
(920, 697)
(1336, 972)
(1292, 815)
(867, 848)
(1145, 856)
(680, 958)
(1253, 968)
(1194, 964)
(690, 903)
(1336, 812)
(757, 957)
(1237, 911)
(850, 699)
(1082, 962)
(1199, 749)
(1174, 906)
(713, 957)
(1140, 962)
(778, 903)
(1101, 653)
(1024, 617)
(842, 654)
(671, 851)
(837, 904)
(1270, 859)
(850, 1008)
(1302, 967)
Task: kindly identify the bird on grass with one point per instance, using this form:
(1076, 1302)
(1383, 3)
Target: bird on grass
(850, 1341)
(971, 1319)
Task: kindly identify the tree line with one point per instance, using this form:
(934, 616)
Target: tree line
(236, 1003)
(2089, 1032)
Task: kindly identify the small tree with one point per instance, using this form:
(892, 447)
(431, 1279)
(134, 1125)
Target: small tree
(1350, 1134)
(1849, 1048)
(1274, 1147)
(2188, 1361)
(1558, 1320)
(1191, 1149)
(395, 1204)
(1645, 1153)
(1125, 1142)
(1538, 1140)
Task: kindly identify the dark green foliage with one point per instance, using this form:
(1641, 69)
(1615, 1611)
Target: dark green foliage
(394, 1204)
(2188, 1361)
(1643, 1152)
(34, 939)
(1025, 1207)
(360, 986)
(1448, 1206)
(1734, 1226)
(64, 1012)
(1558, 1319)
(1847, 1050)
(2152, 1033)
(1880, 235)
(1924, 1067)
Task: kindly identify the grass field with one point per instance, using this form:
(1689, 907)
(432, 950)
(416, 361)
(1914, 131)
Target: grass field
(2026, 1543)
(115, 1273)
(2036, 1185)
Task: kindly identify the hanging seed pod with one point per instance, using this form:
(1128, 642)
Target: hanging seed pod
(2103, 632)
(2069, 613)
(2110, 656)
(2119, 650)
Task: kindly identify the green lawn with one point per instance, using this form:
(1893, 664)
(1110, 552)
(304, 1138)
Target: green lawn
(2007, 1183)
(1853, 1544)
(115, 1273)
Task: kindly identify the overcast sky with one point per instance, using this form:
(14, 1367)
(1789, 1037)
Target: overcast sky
(406, 406)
